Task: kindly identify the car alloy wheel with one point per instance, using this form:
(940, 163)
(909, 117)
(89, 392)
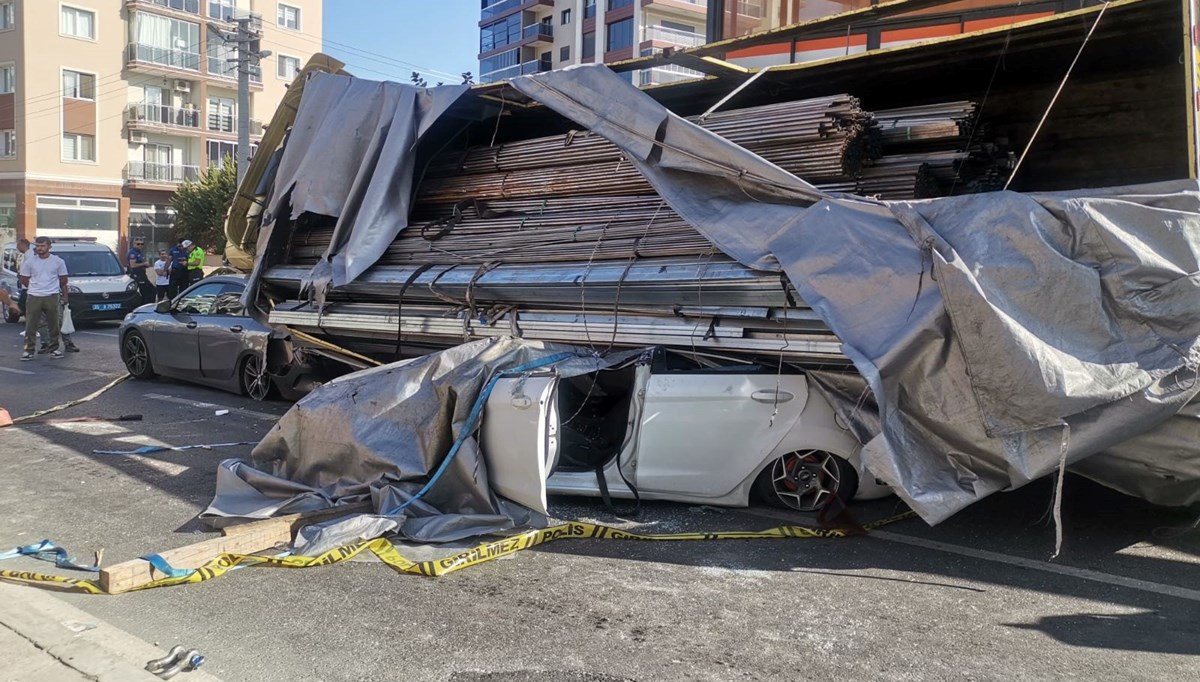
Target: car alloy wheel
(136, 356)
(808, 480)
(255, 380)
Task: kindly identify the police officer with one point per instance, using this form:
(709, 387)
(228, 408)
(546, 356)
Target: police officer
(179, 267)
(137, 270)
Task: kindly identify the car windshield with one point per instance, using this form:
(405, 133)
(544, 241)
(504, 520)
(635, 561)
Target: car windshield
(93, 263)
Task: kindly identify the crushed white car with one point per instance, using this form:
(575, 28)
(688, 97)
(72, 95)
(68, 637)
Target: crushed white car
(671, 429)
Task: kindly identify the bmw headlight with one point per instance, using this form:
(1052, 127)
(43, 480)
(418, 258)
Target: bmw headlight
(131, 287)
(72, 289)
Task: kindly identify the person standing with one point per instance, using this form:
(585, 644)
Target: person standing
(137, 269)
(195, 264)
(179, 272)
(44, 275)
(162, 276)
(22, 249)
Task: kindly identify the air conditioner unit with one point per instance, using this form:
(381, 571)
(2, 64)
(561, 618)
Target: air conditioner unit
(183, 86)
(138, 138)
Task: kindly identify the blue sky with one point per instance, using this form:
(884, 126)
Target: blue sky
(389, 39)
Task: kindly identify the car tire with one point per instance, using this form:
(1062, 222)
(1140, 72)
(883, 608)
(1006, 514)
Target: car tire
(256, 381)
(807, 481)
(135, 353)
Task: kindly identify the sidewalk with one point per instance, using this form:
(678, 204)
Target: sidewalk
(44, 638)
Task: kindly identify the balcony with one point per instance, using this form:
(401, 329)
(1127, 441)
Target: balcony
(140, 173)
(145, 116)
(505, 6)
(540, 32)
(221, 67)
(671, 36)
(182, 6)
(142, 57)
(501, 74)
(535, 66)
(750, 8)
(661, 75)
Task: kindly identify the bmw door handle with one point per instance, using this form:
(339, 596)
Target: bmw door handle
(191, 325)
(236, 329)
(771, 396)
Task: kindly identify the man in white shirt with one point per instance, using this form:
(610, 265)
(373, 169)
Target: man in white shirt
(162, 275)
(44, 275)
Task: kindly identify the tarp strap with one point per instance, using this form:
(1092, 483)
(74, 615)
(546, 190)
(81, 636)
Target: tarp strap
(48, 551)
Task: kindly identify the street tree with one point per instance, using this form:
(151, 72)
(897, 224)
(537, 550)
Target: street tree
(200, 207)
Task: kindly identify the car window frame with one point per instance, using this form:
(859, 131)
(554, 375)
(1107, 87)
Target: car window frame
(225, 287)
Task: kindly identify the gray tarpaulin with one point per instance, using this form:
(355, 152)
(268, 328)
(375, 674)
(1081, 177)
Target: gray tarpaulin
(350, 155)
(379, 434)
(999, 333)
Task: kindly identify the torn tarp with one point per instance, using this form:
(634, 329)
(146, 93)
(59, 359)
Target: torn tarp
(381, 434)
(1000, 333)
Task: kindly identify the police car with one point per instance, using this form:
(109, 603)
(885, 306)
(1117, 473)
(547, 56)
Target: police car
(99, 287)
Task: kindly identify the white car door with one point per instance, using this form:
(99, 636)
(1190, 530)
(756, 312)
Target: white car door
(703, 434)
(519, 438)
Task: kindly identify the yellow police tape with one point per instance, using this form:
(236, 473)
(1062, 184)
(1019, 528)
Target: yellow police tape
(483, 553)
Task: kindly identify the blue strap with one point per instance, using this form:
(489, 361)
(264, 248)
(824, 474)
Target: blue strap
(47, 551)
(473, 420)
(160, 564)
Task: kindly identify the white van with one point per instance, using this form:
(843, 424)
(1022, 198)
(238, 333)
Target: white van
(100, 289)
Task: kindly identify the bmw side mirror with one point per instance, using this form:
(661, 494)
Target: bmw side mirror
(163, 307)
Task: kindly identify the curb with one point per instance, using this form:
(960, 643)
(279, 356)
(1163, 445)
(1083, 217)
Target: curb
(101, 652)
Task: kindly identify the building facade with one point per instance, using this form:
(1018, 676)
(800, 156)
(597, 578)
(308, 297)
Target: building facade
(106, 106)
(528, 36)
(519, 37)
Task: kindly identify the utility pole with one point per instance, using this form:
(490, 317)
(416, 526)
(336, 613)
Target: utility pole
(246, 41)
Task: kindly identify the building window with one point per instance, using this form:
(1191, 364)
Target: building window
(221, 9)
(619, 35)
(566, 16)
(589, 45)
(617, 4)
(288, 67)
(589, 9)
(166, 41)
(222, 114)
(78, 85)
(564, 53)
(76, 22)
(77, 147)
(219, 150)
(8, 144)
(8, 18)
(8, 79)
(288, 17)
(497, 35)
(70, 213)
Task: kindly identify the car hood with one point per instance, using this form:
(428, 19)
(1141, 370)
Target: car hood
(100, 284)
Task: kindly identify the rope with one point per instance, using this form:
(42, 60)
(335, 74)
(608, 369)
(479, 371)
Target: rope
(1057, 92)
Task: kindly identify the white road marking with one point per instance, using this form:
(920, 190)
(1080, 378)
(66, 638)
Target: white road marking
(108, 334)
(212, 406)
(16, 371)
(1021, 562)
(1045, 566)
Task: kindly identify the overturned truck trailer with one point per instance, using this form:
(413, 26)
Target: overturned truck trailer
(840, 217)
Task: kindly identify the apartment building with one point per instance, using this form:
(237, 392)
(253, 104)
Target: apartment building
(529, 36)
(106, 106)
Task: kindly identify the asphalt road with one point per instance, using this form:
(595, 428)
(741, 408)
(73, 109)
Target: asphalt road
(976, 598)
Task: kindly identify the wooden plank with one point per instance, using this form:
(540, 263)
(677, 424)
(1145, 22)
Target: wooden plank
(130, 574)
(246, 538)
